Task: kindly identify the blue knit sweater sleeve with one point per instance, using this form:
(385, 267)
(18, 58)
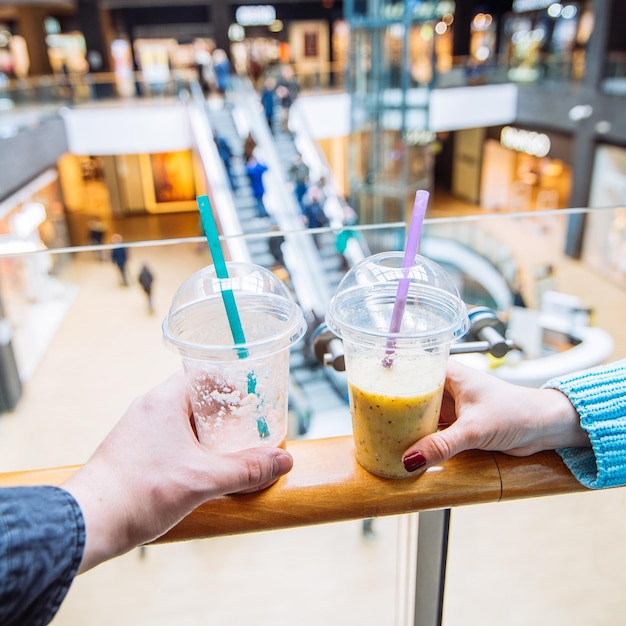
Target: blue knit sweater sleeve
(599, 396)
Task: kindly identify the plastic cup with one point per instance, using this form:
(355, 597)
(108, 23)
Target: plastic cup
(395, 380)
(238, 392)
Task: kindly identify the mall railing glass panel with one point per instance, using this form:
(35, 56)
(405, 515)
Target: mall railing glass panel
(83, 346)
(48, 92)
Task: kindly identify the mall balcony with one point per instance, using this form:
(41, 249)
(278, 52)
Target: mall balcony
(514, 540)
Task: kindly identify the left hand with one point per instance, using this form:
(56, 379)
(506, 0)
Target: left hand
(151, 471)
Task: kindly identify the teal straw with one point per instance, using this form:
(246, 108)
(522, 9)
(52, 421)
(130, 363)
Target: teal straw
(228, 297)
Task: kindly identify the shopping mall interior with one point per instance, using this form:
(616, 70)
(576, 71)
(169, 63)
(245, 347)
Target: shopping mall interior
(114, 118)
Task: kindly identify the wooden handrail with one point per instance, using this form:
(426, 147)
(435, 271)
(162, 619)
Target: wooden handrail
(326, 484)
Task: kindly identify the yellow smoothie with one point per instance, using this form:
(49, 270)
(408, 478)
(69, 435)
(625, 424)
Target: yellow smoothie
(386, 424)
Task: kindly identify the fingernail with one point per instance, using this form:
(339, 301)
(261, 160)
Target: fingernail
(413, 461)
(282, 464)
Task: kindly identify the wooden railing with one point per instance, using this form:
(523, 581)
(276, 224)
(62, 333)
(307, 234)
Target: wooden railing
(327, 485)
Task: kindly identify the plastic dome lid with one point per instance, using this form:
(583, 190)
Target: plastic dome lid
(261, 299)
(364, 300)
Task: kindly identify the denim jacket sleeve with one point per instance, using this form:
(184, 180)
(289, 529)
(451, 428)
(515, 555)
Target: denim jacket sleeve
(599, 396)
(42, 538)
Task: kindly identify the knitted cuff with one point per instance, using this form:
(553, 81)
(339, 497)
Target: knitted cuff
(599, 397)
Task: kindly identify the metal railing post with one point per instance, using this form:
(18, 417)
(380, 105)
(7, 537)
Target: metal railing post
(432, 554)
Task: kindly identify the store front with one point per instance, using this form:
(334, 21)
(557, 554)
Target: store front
(546, 39)
(31, 222)
(34, 217)
(525, 170)
(113, 187)
(311, 38)
(32, 298)
(605, 233)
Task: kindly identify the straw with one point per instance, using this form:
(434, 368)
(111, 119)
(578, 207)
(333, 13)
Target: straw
(228, 297)
(410, 250)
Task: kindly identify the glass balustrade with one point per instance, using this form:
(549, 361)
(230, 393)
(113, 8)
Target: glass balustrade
(82, 345)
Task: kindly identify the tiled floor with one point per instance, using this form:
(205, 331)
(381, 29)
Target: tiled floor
(556, 561)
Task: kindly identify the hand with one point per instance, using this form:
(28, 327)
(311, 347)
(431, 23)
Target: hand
(151, 471)
(482, 412)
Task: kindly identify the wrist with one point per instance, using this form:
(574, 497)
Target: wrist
(562, 428)
(103, 517)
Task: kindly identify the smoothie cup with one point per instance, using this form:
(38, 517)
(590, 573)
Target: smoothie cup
(238, 392)
(395, 380)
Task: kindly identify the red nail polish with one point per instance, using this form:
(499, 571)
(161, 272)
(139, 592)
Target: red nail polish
(413, 461)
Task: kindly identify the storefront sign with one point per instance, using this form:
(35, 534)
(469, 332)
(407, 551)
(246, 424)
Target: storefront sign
(520, 6)
(256, 15)
(416, 137)
(425, 10)
(530, 142)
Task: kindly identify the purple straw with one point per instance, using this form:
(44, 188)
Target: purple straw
(412, 242)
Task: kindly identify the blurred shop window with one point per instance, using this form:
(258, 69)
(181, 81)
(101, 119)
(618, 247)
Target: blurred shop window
(482, 44)
(547, 200)
(19, 56)
(123, 67)
(421, 50)
(91, 167)
(520, 196)
(311, 44)
(153, 57)
(173, 176)
(67, 53)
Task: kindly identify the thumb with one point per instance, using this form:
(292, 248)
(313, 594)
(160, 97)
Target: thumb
(260, 467)
(434, 449)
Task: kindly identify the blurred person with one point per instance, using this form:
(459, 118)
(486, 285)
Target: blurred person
(222, 70)
(268, 96)
(276, 246)
(287, 90)
(204, 67)
(313, 211)
(518, 295)
(581, 415)
(255, 171)
(146, 476)
(349, 218)
(96, 231)
(66, 82)
(314, 215)
(255, 69)
(249, 146)
(285, 101)
(119, 256)
(299, 173)
(146, 280)
(320, 185)
(226, 154)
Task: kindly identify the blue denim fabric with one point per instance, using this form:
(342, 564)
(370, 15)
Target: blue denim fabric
(42, 538)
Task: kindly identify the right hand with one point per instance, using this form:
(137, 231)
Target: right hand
(482, 412)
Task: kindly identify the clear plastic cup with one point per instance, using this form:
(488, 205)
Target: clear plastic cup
(395, 380)
(238, 392)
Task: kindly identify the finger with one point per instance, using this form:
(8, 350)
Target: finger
(455, 374)
(434, 449)
(448, 409)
